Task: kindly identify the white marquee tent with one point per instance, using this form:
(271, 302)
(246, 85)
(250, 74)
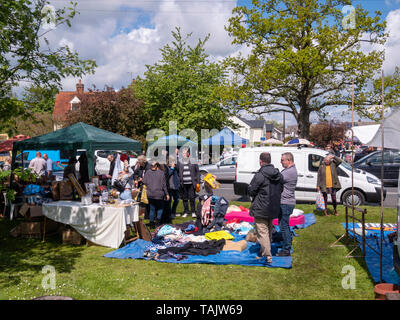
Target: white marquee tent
(364, 133)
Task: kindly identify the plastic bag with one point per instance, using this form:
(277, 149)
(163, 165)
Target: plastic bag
(143, 197)
(320, 202)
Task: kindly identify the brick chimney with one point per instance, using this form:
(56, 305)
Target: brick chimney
(79, 87)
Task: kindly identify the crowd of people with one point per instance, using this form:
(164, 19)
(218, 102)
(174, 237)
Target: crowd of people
(342, 149)
(166, 183)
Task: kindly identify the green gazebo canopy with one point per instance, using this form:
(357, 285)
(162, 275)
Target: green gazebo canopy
(79, 136)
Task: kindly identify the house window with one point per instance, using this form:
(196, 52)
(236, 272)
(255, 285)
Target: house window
(74, 106)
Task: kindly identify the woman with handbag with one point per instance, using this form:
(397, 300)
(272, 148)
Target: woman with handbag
(328, 180)
(157, 192)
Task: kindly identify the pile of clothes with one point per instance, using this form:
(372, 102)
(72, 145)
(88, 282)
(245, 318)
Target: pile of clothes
(210, 234)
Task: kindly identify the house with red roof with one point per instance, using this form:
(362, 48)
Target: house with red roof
(66, 101)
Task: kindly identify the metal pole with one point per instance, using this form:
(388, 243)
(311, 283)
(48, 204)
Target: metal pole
(284, 125)
(352, 156)
(382, 171)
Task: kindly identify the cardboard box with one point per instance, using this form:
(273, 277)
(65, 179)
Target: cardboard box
(35, 211)
(24, 210)
(70, 236)
(29, 229)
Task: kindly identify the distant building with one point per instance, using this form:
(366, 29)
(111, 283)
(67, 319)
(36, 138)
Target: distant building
(252, 130)
(66, 101)
(256, 131)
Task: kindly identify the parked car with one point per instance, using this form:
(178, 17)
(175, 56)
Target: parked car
(391, 163)
(224, 170)
(367, 187)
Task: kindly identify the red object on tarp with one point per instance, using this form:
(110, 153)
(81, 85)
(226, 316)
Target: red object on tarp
(8, 144)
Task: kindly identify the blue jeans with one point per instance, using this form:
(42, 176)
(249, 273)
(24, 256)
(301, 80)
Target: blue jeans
(284, 215)
(156, 207)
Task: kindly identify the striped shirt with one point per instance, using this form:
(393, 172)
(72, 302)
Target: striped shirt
(187, 179)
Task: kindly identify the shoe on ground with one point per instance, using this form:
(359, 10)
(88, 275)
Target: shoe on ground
(268, 259)
(184, 215)
(177, 215)
(283, 253)
(193, 215)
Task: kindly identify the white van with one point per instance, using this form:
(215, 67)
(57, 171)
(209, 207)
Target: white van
(367, 187)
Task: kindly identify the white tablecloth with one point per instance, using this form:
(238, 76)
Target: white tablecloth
(104, 225)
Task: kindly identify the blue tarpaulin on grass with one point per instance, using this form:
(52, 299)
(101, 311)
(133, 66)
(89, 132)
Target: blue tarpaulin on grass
(135, 250)
(372, 259)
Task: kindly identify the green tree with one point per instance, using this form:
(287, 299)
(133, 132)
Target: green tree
(304, 56)
(181, 86)
(26, 54)
(39, 99)
(116, 111)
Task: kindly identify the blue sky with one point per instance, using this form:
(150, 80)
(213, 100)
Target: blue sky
(125, 35)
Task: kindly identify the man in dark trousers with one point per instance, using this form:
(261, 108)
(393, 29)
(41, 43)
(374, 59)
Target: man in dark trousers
(189, 177)
(265, 189)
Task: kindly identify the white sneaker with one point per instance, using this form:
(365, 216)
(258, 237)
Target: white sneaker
(193, 215)
(184, 215)
(177, 215)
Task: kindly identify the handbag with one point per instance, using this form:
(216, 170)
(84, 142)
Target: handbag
(143, 196)
(119, 185)
(320, 202)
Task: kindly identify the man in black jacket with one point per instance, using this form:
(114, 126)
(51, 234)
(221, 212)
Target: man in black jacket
(189, 177)
(265, 189)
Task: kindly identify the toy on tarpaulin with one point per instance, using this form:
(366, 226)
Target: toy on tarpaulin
(211, 180)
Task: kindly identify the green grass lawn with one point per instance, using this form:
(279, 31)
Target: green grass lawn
(83, 273)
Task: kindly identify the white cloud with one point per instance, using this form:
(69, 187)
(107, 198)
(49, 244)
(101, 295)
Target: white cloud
(392, 46)
(123, 35)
